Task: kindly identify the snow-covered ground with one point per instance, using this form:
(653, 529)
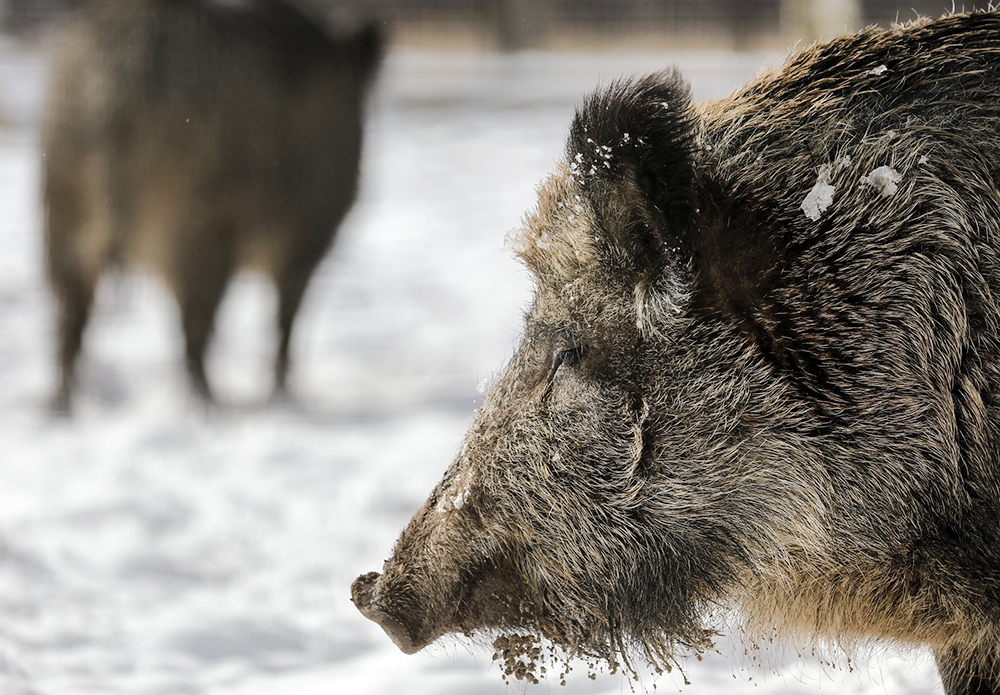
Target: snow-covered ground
(149, 547)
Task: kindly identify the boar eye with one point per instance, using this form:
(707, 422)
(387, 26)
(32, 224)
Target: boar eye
(568, 357)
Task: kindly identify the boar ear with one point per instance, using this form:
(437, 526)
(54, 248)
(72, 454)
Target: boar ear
(631, 150)
(368, 49)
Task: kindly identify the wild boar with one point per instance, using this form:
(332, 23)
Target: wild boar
(761, 373)
(196, 138)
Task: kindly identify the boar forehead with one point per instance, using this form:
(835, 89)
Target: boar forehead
(556, 240)
(559, 239)
(582, 282)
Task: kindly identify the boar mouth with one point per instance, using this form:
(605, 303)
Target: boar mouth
(483, 601)
(365, 593)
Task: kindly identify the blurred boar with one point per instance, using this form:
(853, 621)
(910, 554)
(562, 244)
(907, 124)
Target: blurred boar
(198, 137)
(761, 372)
(26, 18)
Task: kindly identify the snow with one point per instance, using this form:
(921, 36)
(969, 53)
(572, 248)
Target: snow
(820, 196)
(455, 501)
(885, 179)
(878, 71)
(515, 241)
(148, 546)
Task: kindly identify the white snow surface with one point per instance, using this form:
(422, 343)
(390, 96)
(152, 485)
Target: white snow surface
(150, 547)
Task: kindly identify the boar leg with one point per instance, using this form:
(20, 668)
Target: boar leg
(962, 678)
(75, 292)
(202, 274)
(77, 240)
(292, 282)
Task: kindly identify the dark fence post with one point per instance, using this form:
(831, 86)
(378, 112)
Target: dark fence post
(519, 24)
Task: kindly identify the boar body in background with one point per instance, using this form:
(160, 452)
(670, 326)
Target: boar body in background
(197, 137)
(761, 372)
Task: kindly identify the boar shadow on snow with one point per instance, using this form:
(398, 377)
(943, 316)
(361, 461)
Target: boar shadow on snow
(760, 374)
(196, 138)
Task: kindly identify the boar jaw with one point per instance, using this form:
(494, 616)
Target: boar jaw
(412, 626)
(415, 609)
(364, 592)
(437, 580)
(443, 577)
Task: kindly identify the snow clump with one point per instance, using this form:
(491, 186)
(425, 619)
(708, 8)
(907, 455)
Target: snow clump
(878, 71)
(820, 197)
(456, 501)
(884, 178)
(515, 241)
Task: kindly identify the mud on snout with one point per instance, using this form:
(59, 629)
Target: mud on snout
(366, 595)
(415, 611)
(447, 574)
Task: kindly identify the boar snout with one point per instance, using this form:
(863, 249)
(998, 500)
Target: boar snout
(402, 629)
(445, 575)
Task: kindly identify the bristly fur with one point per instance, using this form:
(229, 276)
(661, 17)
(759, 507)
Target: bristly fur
(735, 391)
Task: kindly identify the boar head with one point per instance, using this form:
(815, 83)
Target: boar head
(635, 465)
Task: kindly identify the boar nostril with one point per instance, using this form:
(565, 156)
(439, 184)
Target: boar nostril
(362, 590)
(363, 596)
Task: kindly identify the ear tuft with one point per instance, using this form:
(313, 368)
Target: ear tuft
(369, 44)
(631, 150)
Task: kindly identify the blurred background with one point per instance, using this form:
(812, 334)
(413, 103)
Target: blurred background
(151, 545)
(582, 24)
